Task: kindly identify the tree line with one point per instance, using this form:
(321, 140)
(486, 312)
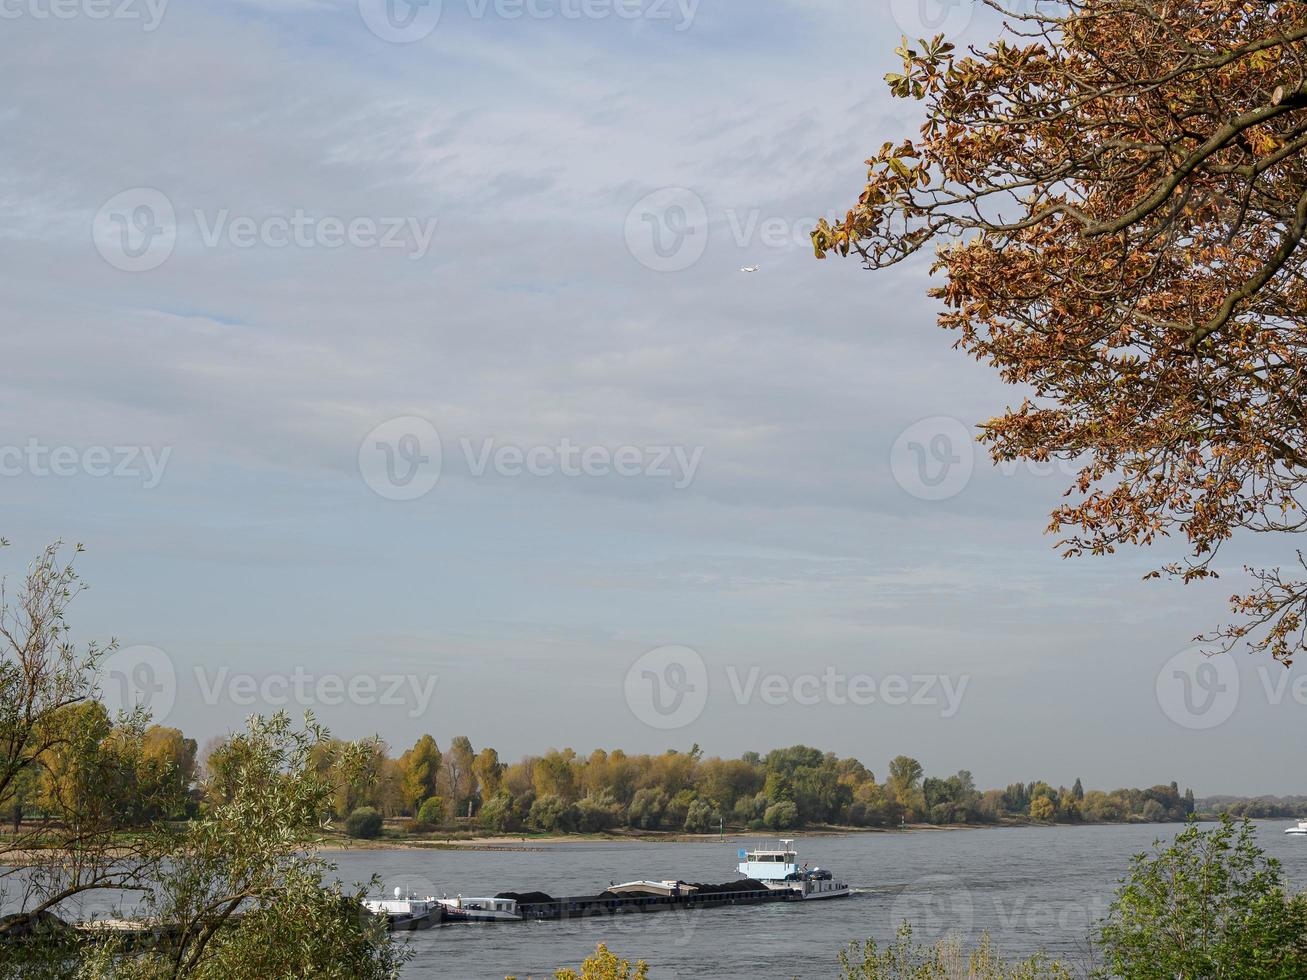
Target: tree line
(156, 772)
(561, 791)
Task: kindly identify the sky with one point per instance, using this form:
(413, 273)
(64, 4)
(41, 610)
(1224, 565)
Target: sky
(396, 362)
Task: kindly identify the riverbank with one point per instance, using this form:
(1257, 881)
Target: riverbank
(528, 842)
(398, 840)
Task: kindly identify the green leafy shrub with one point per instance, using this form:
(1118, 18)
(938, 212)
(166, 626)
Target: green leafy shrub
(646, 809)
(550, 813)
(1212, 904)
(781, 816)
(597, 813)
(948, 959)
(432, 812)
(363, 823)
(498, 813)
(701, 818)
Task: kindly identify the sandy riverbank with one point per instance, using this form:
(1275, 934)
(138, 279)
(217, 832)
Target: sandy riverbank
(509, 842)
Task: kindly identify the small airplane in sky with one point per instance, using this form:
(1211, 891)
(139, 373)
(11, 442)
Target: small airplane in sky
(750, 268)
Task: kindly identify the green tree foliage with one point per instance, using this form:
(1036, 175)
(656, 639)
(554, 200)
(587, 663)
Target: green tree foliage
(1042, 809)
(500, 813)
(948, 959)
(489, 773)
(675, 791)
(364, 823)
(458, 778)
(1209, 905)
(781, 816)
(421, 772)
(701, 818)
(550, 814)
(647, 809)
(603, 965)
(243, 879)
(239, 882)
(593, 814)
(433, 812)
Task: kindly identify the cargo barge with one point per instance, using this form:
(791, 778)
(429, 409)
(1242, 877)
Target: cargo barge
(767, 875)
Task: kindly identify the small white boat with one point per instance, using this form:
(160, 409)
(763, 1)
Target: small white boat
(405, 913)
(1300, 830)
(779, 870)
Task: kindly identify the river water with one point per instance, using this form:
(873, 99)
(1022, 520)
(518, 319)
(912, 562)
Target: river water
(1032, 888)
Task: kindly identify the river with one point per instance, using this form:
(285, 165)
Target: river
(1032, 888)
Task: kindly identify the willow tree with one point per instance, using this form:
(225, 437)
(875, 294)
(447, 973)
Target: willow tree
(1116, 194)
(239, 888)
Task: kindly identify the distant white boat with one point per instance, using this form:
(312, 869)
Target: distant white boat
(750, 268)
(1300, 830)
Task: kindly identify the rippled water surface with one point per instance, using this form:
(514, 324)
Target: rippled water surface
(1032, 888)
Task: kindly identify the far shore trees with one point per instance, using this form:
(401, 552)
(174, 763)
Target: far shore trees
(1116, 196)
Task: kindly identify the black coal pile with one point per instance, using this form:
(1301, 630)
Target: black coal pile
(527, 898)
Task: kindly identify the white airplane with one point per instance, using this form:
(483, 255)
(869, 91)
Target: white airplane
(750, 268)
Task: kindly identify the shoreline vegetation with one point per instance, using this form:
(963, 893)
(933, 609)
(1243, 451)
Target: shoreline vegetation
(458, 797)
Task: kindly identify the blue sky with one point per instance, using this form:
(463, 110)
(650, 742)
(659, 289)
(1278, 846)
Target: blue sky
(540, 310)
